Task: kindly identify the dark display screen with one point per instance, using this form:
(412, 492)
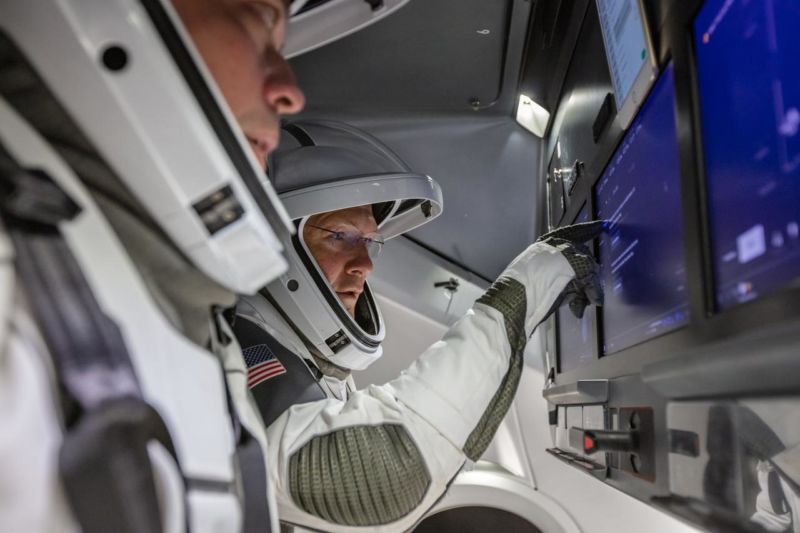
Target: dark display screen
(642, 253)
(748, 54)
(575, 335)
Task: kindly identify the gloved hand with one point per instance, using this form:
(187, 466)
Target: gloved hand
(557, 268)
(586, 288)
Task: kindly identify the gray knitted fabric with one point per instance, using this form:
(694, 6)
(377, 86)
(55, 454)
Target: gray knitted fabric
(578, 256)
(507, 296)
(571, 239)
(576, 233)
(586, 288)
(359, 476)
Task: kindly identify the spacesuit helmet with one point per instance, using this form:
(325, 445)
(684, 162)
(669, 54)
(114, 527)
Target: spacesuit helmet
(323, 166)
(319, 22)
(141, 101)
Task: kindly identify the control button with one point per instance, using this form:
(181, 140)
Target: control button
(595, 440)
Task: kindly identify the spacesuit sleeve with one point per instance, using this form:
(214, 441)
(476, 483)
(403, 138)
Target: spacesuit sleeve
(381, 459)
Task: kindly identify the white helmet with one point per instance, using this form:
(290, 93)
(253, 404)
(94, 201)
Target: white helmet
(324, 166)
(128, 74)
(319, 22)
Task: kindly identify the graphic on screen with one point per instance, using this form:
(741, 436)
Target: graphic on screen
(747, 57)
(625, 43)
(642, 254)
(575, 335)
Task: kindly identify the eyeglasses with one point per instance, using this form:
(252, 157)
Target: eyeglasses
(346, 240)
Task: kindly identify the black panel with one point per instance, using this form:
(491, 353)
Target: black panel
(555, 190)
(585, 89)
(661, 16)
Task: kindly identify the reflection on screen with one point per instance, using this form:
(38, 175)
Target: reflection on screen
(623, 35)
(642, 254)
(747, 56)
(575, 336)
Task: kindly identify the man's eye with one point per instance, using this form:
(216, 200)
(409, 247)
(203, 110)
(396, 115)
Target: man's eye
(262, 20)
(269, 15)
(337, 235)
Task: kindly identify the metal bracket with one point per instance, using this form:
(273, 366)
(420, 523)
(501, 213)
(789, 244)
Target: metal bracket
(582, 392)
(569, 175)
(450, 285)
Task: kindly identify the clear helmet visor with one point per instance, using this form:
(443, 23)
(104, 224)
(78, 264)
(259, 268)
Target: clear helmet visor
(340, 267)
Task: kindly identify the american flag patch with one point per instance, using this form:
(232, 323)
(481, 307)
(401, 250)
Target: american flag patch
(261, 364)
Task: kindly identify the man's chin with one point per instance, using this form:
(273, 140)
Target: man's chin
(348, 301)
(262, 130)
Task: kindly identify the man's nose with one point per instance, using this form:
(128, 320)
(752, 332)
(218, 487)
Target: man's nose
(281, 92)
(360, 264)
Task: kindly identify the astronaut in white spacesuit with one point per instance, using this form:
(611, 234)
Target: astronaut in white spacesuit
(379, 458)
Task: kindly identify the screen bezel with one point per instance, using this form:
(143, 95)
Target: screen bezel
(645, 78)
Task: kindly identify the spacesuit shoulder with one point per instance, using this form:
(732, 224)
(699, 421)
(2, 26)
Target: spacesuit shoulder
(259, 310)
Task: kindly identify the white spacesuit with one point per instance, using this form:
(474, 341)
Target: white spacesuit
(379, 458)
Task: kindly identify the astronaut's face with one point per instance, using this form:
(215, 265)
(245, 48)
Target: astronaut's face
(345, 265)
(240, 41)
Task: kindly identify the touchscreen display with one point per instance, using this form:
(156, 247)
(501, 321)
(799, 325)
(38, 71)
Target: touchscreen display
(625, 41)
(749, 84)
(642, 253)
(633, 71)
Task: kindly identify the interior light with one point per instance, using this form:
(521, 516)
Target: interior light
(532, 116)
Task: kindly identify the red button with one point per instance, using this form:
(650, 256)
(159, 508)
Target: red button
(588, 443)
